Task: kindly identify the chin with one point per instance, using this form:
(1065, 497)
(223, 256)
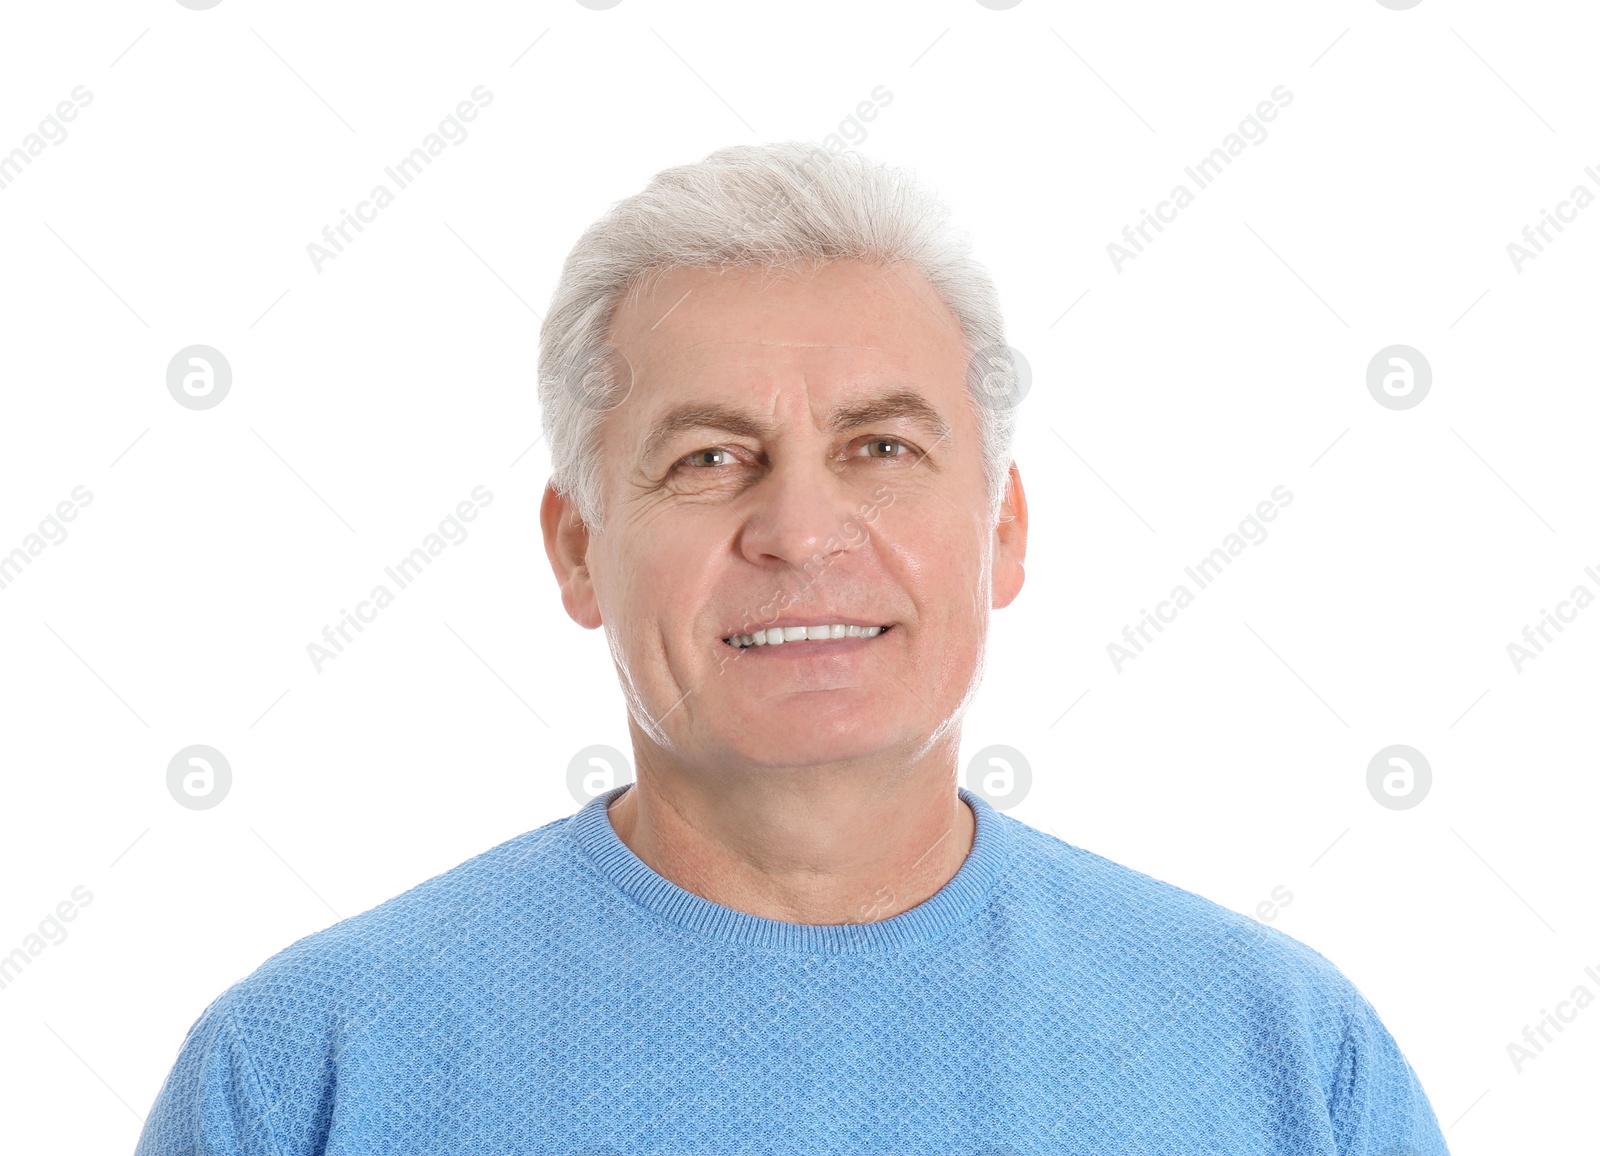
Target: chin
(810, 737)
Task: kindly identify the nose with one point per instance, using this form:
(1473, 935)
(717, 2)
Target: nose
(803, 514)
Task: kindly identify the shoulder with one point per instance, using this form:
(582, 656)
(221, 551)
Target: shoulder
(1186, 968)
(442, 921)
(257, 1069)
(1155, 932)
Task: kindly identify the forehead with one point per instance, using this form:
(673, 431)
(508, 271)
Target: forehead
(751, 330)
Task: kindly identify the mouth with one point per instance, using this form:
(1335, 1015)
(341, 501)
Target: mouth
(789, 635)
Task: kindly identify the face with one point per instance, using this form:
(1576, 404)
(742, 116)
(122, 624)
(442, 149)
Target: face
(798, 450)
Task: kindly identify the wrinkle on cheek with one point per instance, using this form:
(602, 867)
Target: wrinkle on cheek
(640, 656)
(630, 545)
(660, 569)
(643, 498)
(649, 502)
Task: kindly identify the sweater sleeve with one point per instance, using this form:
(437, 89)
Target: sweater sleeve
(213, 1101)
(1378, 1107)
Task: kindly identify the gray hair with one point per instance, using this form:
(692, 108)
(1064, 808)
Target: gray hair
(773, 206)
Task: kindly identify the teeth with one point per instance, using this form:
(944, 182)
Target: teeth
(777, 635)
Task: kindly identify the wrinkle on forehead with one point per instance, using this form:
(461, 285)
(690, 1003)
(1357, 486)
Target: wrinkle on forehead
(782, 348)
(784, 345)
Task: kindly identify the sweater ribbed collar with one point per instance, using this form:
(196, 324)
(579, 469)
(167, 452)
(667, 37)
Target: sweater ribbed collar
(953, 904)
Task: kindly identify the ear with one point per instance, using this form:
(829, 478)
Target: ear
(1010, 541)
(566, 544)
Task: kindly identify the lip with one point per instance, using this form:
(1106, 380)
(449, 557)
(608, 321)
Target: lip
(838, 620)
(814, 648)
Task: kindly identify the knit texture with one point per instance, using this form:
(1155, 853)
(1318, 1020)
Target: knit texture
(556, 995)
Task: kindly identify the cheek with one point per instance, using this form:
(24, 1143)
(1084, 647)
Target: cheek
(939, 560)
(656, 580)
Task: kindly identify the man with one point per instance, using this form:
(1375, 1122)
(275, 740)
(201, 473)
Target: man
(782, 486)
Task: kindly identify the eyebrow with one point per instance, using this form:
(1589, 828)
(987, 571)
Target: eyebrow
(694, 415)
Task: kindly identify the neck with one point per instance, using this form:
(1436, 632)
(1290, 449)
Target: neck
(803, 846)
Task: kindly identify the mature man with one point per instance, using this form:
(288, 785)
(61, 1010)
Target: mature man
(782, 485)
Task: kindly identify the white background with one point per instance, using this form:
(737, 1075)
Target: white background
(371, 397)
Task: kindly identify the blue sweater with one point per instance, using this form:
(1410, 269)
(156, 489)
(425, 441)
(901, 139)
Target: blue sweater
(556, 995)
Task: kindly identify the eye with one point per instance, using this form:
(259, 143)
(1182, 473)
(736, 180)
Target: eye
(887, 447)
(712, 458)
(698, 457)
